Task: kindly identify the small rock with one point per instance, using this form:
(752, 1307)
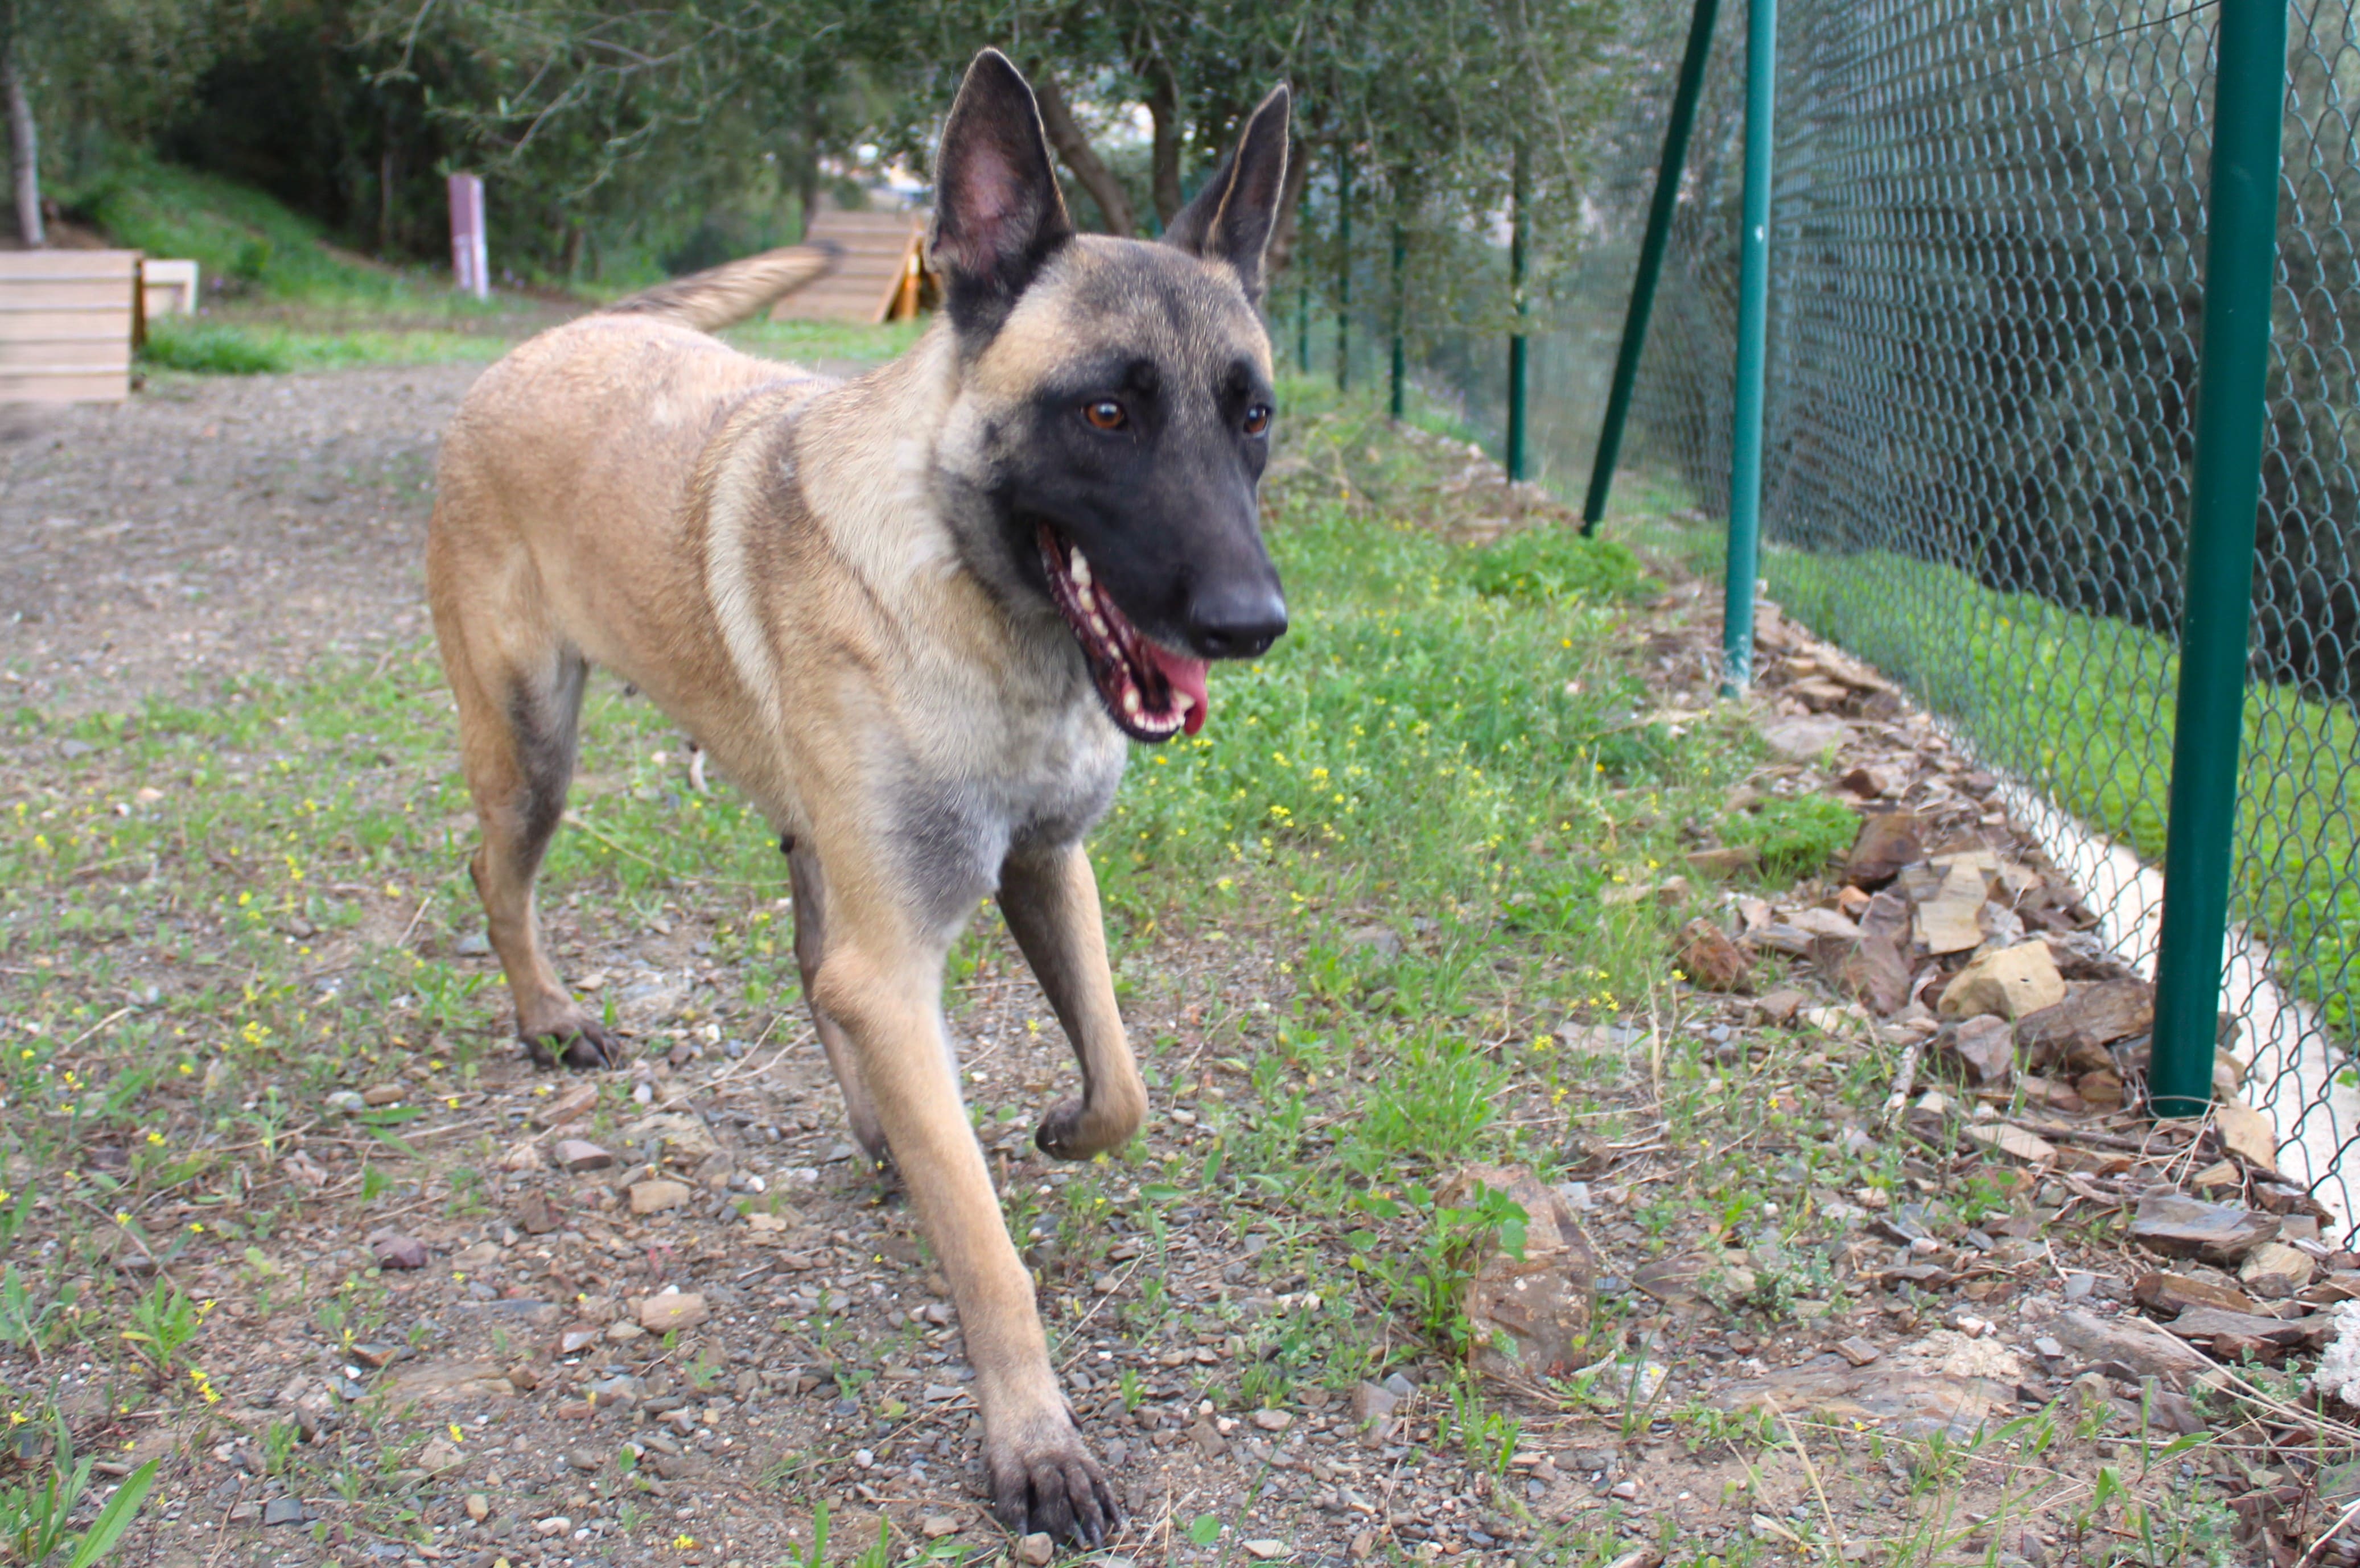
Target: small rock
(1725, 861)
(1383, 941)
(382, 1094)
(1887, 841)
(475, 945)
(1528, 1317)
(2130, 1341)
(2274, 1271)
(2205, 1322)
(536, 1213)
(1804, 738)
(555, 1524)
(2248, 1134)
(394, 1250)
(1272, 1420)
(1264, 1551)
(1982, 1048)
(937, 1526)
(2010, 982)
(1781, 1006)
(623, 1332)
(283, 1511)
(655, 1197)
(2168, 1295)
(1857, 1351)
(2182, 1227)
(1373, 1402)
(577, 1155)
(1036, 1549)
(439, 1455)
(2077, 1031)
(571, 1103)
(577, 1337)
(679, 1132)
(479, 1507)
(375, 1356)
(672, 1310)
(2006, 1138)
(1626, 1490)
(1710, 960)
(347, 1101)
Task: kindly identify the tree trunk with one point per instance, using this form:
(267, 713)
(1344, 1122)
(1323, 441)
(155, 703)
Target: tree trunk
(1290, 208)
(1163, 108)
(23, 150)
(1058, 119)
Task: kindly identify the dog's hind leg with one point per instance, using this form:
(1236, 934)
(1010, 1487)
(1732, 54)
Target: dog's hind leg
(811, 949)
(1051, 900)
(517, 720)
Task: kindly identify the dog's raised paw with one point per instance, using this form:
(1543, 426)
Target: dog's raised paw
(576, 1045)
(1052, 1486)
(1068, 1133)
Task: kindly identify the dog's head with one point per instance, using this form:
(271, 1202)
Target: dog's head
(1114, 404)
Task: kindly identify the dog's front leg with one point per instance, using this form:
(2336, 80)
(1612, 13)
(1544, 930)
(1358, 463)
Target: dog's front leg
(1050, 898)
(883, 983)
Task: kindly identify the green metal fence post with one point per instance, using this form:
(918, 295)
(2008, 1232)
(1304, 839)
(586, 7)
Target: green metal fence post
(1702, 21)
(1400, 311)
(2232, 378)
(1343, 269)
(1753, 334)
(1519, 364)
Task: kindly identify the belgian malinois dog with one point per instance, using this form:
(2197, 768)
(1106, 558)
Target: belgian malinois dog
(913, 617)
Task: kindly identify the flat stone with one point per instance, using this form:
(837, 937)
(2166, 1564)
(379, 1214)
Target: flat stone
(479, 1507)
(623, 1333)
(2169, 1295)
(439, 1455)
(2077, 1031)
(568, 1104)
(2248, 1134)
(1857, 1351)
(536, 1213)
(2275, 1271)
(2182, 1226)
(576, 1154)
(1272, 1420)
(680, 1132)
(937, 1526)
(1804, 738)
(1725, 861)
(441, 1382)
(672, 1310)
(1898, 1400)
(2133, 1342)
(1036, 1549)
(1262, 1550)
(283, 1511)
(375, 1356)
(2288, 1334)
(1947, 918)
(1373, 1402)
(2009, 983)
(1981, 1047)
(577, 1337)
(394, 1250)
(2006, 1138)
(655, 1197)
(1887, 841)
(382, 1094)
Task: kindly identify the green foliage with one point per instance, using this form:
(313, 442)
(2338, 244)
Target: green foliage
(1546, 565)
(1430, 1281)
(163, 1322)
(1796, 834)
(36, 1511)
(233, 232)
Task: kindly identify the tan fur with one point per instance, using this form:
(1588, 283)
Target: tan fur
(757, 550)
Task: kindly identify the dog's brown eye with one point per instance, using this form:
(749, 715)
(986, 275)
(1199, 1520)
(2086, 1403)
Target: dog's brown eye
(1105, 414)
(1257, 419)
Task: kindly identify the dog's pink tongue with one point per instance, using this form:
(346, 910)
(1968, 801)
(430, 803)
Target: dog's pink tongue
(1185, 675)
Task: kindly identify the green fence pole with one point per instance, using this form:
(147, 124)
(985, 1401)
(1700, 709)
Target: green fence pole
(1343, 269)
(1401, 310)
(1519, 363)
(2232, 380)
(1702, 21)
(1753, 334)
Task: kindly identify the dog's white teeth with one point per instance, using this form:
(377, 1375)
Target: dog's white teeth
(1130, 703)
(1081, 571)
(1097, 625)
(1182, 702)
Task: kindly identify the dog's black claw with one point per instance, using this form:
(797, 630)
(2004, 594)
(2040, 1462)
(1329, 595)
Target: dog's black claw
(584, 1045)
(1056, 1490)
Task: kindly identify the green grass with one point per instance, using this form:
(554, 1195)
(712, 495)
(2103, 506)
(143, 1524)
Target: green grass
(232, 231)
(207, 346)
(2082, 706)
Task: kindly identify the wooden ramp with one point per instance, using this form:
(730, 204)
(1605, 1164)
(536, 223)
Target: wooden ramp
(68, 319)
(878, 278)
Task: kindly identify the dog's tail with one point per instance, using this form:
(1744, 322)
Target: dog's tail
(734, 290)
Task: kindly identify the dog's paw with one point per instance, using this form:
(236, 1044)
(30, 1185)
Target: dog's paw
(1047, 1482)
(582, 1044)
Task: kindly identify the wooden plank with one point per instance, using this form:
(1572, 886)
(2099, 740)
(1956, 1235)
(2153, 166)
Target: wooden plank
(85, 352)
(47, 294)
(95, 386)
(121, 265)
(49, 326)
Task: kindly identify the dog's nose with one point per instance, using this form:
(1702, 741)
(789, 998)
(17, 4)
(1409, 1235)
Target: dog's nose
(1237, 622)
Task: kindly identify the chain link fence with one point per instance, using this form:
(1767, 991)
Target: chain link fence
(1986, 242)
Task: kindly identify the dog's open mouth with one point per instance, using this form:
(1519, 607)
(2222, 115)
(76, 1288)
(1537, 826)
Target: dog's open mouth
(1150, 694)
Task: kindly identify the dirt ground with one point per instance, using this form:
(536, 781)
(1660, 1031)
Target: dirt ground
(541, 1410)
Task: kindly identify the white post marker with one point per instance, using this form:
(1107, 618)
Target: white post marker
(471, 270)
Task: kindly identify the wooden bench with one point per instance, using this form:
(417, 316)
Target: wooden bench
(68, 321)
(167, 287)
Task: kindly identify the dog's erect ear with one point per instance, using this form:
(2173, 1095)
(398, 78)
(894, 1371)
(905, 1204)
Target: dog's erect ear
(1231, 219)
(998, 212)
